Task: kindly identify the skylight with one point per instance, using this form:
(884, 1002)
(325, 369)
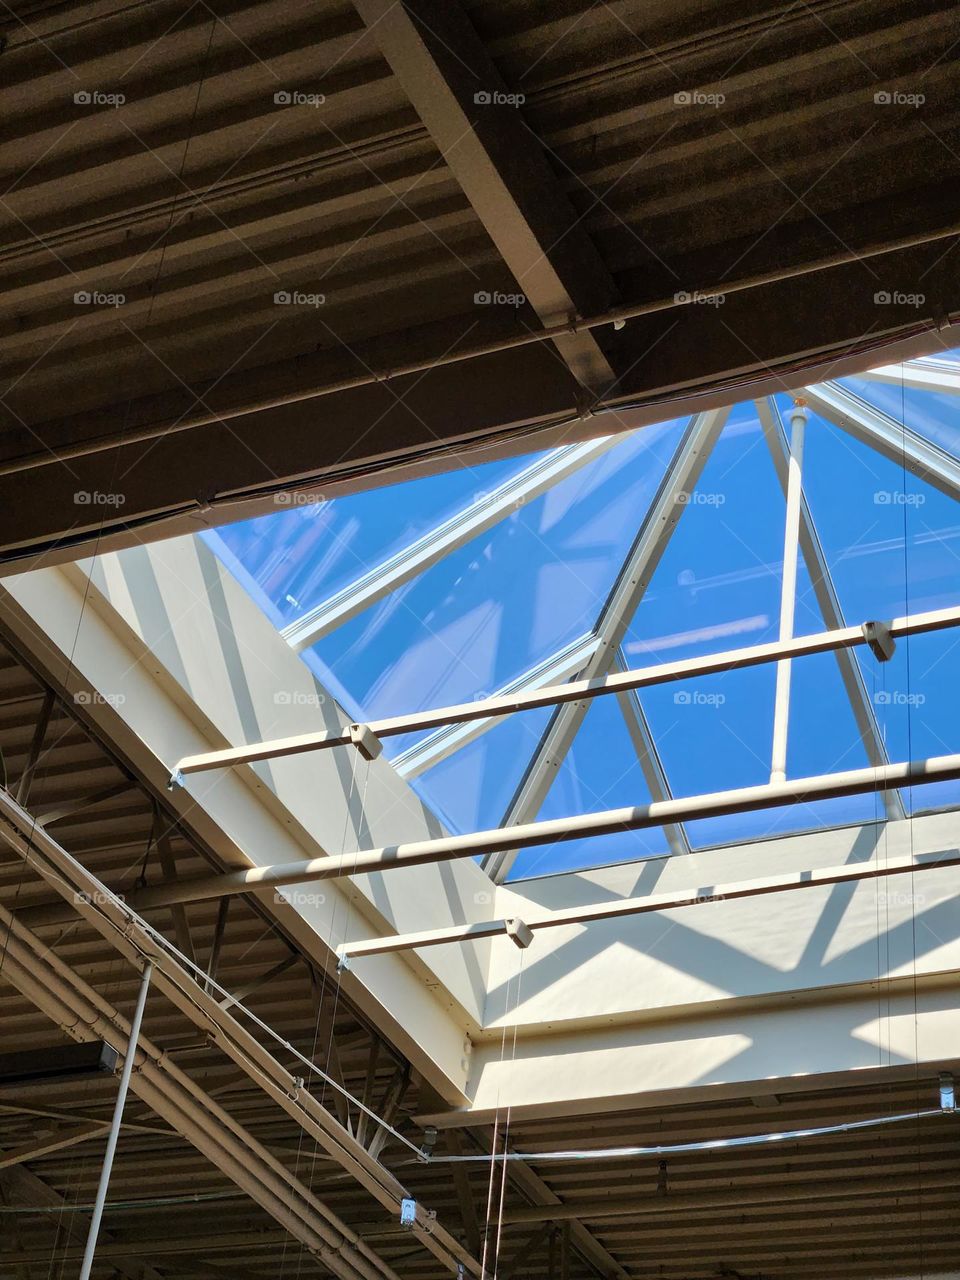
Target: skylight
(497, 577)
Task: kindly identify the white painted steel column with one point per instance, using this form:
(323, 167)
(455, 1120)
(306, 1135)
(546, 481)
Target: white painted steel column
(788, 590)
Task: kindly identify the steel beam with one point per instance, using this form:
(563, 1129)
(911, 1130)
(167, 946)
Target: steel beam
(828, 602)
(921, 457)
(529, 835)
(574, 691)
(653, 1205)
(649, 759)
(58, 1141)
(641, 563)
(469, 522)
(449, 77)
(443, 742)
(696, 896)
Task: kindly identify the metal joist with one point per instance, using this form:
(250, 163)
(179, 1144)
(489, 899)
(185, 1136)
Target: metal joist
(486, 510)
(639, 567)
(477, 125)
(828, 602)
(894, 440)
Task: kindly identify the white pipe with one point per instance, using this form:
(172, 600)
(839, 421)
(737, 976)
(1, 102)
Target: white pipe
(788, 590)
(95, 1218)
(712, 805)
(572, 691)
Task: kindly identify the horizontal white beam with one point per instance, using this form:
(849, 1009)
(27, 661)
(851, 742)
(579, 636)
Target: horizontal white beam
(572, 691)
(693, 897)
(925, 375)
(469, 522)
(556, 830)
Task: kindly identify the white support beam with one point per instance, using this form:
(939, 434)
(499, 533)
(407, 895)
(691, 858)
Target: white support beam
(816, 878)
(927, 374)
(574, 691)
(648, 756)
(788, 589)
(437, 746)
(829, 602)
(530, 835)
(651, 542)
(921, 457)
(469, 522)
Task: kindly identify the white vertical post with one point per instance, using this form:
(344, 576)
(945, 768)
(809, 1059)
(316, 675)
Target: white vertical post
(93, 1233)
(788, 591)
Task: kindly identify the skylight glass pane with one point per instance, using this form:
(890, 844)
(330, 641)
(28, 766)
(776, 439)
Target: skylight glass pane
(509, 598)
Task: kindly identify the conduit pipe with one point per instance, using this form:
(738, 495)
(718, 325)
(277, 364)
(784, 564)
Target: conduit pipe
(571, 691)
(528, 835)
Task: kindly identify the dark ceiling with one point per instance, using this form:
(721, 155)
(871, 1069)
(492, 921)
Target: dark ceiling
(800, 158)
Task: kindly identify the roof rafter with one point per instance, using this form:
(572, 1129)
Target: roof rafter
(475, 120)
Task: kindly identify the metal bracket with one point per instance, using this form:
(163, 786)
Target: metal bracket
(881, 642)
(521, 933)
(343, 962)
(408, 1214)
(175, 780)
(366, 741)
